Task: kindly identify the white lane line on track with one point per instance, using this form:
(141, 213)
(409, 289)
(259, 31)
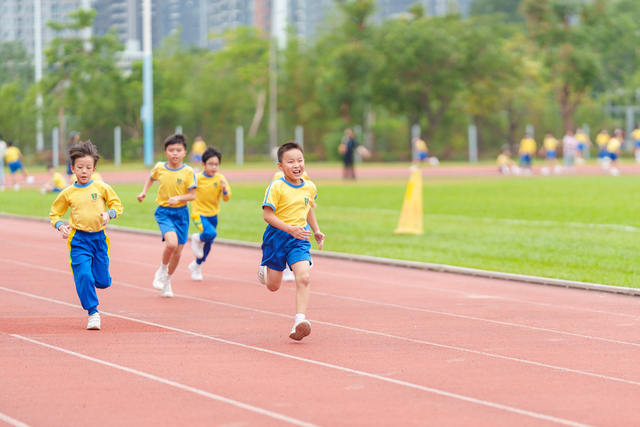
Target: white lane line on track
(12, 421)
(381, 281)
(165, 381)
(385, 282)
(438, 392)
(553, 368)
(403, 307)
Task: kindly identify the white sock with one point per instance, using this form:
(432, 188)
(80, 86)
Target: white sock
(299, 317)
(164, 267)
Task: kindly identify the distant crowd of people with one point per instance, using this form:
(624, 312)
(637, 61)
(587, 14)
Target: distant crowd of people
(574, 147)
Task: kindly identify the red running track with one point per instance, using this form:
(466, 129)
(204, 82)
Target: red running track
(389, 345)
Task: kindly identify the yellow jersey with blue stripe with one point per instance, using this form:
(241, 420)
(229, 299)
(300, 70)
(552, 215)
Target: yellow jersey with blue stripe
(87, 202)
(11, 155)
(58, 181)
(173, 182)
(291, 203)
(208, 195)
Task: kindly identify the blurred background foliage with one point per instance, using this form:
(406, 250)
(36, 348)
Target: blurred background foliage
(553, 64)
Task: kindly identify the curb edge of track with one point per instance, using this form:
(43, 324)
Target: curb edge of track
(401, 263)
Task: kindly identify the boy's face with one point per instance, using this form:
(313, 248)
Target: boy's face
(211, 165)
(83, 168)
(292, 165)
(175, 153)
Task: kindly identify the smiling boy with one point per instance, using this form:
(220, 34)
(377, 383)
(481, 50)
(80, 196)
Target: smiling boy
(93, 204)
(176, 186)
(287, 210)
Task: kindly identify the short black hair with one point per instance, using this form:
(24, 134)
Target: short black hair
(177, 138)
(83, 149)
(211, 152)
(291, 145)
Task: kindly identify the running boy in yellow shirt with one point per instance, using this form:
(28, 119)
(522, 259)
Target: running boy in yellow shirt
(212, 186)
(287, 210)
(93, 204)
(176, 186)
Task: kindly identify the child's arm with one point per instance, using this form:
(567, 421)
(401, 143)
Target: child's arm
(148, 182)
(114, 205)
(226, 190)
(313, 223)
(296, 231)
(191, 195)
(58, 209)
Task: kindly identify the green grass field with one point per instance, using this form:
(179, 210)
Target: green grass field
(583, 228)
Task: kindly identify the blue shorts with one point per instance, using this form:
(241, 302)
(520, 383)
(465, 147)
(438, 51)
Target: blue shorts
(423, 155)
(196, 158)
(173, 219)
(525, 160)
(280, 248)
(551, 154)
(637, 144)
(580, 146)
(15, 166)
(612, 156)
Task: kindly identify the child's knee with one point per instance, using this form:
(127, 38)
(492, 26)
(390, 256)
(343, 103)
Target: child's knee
(209, 235)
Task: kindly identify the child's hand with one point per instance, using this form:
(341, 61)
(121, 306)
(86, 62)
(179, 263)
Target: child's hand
(319, 238)
(64, 231)
(223, 185)
(141, 197)
(300, 233)
(173, 200)
(105, 218)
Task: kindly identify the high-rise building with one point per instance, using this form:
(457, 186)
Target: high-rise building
(197, 20)
(17, 19)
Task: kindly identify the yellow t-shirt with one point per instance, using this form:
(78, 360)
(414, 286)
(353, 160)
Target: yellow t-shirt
(613, 145)
(173, 182)
(59, 182)
(208, 195)
(280, 174)
(291, 203)
(503, 160)
(635, 134)
(199, 147)
(582, 137)
(11, 155)
(528, 146)
(550, 143)
(602, 139)
(87, 202)
(421, 146)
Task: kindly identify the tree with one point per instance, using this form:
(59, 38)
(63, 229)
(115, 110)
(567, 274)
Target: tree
(81, 73)
(510, 9)
(562, 31)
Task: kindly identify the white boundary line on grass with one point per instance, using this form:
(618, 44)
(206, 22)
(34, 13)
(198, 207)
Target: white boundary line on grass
(435, 391)
(402, 263)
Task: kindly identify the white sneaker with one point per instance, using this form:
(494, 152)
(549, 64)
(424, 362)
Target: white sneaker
(196, 271)
(288, 276)
(262, 274)
(160, 279)
(30, 179)
(300, 330)
(16, 187)
(197, 246)
(166, 290)
(94, 322)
